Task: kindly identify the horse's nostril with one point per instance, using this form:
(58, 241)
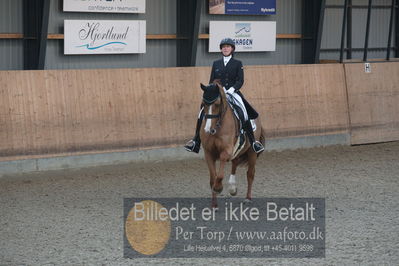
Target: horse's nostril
(213, 131)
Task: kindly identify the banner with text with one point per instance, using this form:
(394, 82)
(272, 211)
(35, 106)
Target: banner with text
(249, 36)
(104, 36)
(190, 228)
(254, 7)
(106, 6)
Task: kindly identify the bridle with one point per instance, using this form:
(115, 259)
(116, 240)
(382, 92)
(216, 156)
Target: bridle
(219, 116)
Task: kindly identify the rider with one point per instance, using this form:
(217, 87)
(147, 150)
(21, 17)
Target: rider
(230, 72)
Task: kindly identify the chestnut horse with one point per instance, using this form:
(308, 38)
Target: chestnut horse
(219, 134)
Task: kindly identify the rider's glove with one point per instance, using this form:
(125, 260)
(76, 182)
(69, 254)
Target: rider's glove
(231, 90)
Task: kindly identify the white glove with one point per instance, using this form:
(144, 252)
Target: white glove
(231, 90)
(225, 91)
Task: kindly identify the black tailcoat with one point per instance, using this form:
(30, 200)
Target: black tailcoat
(232, 75)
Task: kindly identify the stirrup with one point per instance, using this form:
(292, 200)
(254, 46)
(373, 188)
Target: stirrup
(192, 146)
(257, 147)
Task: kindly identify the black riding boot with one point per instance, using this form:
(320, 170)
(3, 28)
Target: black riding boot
(194, 145)
(256, 145)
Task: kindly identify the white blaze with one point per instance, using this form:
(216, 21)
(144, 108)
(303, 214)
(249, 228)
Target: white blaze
(208, 121)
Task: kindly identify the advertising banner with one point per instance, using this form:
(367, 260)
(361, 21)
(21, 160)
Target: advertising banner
(106, 6)
(254, 7)
(190, 228)
(104, 36)
(249, 36)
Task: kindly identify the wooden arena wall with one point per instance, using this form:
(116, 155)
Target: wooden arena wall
(67, 111)
(373, 102)
(298, 100)
(57, 111)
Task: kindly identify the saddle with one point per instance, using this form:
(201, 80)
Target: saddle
(239, 114)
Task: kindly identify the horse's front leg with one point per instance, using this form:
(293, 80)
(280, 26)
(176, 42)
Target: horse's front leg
(218, 185)
(214, 201)
(211, 162)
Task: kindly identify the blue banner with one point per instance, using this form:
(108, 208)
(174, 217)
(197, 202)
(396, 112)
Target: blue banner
(235, 7)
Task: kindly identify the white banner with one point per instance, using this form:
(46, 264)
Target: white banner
(249, 36)
(109, 6)
(104, 36)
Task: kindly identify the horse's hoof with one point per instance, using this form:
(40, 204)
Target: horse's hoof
(217, 191)
(247, 201)
(233, 191)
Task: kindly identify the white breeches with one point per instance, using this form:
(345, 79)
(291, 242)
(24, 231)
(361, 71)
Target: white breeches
(236, 98)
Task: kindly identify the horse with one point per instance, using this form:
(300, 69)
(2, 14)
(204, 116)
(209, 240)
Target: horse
(220, 135)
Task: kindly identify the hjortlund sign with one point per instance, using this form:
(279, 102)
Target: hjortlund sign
(105, 6)
(104, 36)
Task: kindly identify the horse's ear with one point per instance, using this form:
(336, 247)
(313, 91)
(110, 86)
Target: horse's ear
(203, 87)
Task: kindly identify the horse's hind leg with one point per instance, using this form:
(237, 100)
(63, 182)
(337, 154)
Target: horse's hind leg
(250, 174)
(232, 179)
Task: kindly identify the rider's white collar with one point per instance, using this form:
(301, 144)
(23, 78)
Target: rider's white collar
(226, 59)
